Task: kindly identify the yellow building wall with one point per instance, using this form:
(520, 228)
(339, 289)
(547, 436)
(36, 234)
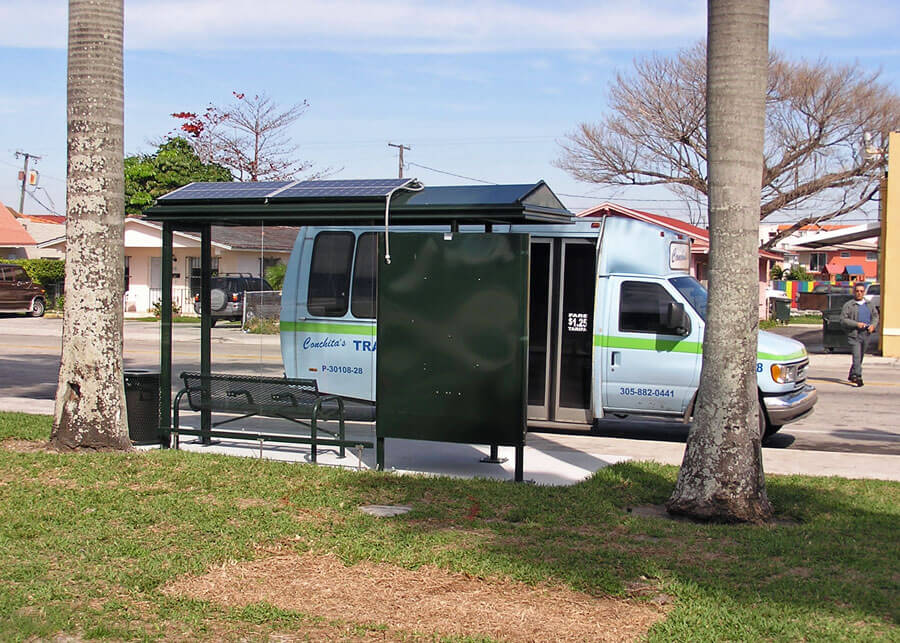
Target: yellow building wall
(890, 253)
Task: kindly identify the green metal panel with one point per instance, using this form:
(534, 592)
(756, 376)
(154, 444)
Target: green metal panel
(453, 338)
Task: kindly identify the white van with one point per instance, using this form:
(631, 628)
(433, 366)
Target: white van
(616, 323)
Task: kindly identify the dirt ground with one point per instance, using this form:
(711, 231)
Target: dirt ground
(425, 602)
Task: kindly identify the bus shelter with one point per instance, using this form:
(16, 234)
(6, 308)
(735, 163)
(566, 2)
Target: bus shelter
(452, 308)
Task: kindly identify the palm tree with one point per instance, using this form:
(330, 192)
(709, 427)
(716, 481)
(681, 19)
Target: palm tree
(721, 477)
(90, 398)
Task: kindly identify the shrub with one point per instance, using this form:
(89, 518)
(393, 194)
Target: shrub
(156, 309)
(43, 271)
(275, 275)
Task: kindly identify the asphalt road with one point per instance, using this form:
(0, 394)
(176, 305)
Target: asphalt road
(846, 419)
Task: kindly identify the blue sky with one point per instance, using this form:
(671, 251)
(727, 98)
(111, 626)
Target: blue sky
(481, 89)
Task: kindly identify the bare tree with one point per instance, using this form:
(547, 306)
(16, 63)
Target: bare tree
(249, 137)
(817, 115)
(721, 477)
(90, 398)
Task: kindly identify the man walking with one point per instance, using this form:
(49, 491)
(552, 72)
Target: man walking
(859, 321)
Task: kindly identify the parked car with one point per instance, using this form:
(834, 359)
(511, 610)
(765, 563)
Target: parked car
(873, 295)
(18, 294)
(226, 296)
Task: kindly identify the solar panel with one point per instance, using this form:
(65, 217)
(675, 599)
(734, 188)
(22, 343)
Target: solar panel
(223, 191)
(341, 189)
(277, 190)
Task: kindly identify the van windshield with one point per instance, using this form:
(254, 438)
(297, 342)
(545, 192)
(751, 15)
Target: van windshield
(693, 291)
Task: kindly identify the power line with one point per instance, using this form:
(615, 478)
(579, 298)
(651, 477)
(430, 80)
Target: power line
(459, 176)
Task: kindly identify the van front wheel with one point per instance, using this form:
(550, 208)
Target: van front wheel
(766, 429)
(37, 308)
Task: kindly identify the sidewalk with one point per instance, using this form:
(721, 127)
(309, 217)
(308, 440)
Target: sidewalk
(550, 459)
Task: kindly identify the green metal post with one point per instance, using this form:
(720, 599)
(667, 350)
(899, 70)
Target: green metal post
(165, 348)
(205, 328)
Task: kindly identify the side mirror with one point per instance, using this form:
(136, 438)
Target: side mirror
(677, 320)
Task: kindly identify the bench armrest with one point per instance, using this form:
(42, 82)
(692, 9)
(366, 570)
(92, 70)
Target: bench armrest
(240, 391)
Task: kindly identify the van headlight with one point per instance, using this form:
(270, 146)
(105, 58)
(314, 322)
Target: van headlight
(785, 373)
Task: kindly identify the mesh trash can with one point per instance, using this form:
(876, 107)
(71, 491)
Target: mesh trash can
(142, 400)
(833, 335)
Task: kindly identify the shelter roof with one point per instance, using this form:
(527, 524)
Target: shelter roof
(223, 204)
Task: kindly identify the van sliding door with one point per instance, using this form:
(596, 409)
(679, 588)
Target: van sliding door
(575, 331)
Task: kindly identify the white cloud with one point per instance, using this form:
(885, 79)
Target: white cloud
(434, 26)
(389, 26)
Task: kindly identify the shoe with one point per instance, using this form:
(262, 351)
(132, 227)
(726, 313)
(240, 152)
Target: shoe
(859, 381)
(852, 378)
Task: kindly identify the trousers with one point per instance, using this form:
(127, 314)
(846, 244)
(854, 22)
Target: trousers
(858, 346)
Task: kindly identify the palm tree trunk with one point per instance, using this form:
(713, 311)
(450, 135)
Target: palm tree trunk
(721, 477)
(90, 398)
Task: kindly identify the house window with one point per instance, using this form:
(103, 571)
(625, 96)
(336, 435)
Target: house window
(127, 273)
(329, 275)
(817, 261)
(871, 256)
(845, 255)
(194, 274)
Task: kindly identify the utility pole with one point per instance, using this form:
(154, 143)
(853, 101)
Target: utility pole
(400, 147)
(24, 176)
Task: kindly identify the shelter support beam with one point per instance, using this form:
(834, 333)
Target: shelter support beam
(205, 328)
(165, 334)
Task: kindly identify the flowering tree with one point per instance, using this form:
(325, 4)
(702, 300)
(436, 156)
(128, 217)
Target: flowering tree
(249, 137)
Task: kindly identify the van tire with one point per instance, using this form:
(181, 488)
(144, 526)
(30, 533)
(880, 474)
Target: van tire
(766, 428)
(37, 308)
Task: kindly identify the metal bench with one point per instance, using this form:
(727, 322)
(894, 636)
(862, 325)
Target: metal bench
(292, 399)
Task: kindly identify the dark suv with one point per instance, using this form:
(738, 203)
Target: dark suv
(226, 295)
(18, 294)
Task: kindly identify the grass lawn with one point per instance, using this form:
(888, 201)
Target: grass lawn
(176, 545)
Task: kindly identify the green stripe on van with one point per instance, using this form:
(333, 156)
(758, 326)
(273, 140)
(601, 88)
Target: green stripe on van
(676, 346)
(648, 344)
(332, 328)
(781, 358)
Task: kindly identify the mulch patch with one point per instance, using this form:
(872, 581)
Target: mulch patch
(427, 601)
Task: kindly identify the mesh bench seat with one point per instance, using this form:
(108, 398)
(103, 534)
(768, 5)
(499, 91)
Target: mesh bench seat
(291, 399)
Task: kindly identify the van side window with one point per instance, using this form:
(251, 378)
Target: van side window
(329, 275)
(365, 274)
(643, 308)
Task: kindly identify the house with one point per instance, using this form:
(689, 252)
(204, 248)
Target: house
(246, 250)
(828, 261)
(14, 238)
(699, 238)
(43, 227)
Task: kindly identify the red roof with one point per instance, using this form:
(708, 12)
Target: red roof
(699, 236)
(11, 231)
(45, 218)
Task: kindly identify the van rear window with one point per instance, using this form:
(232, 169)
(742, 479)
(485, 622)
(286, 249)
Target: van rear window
(329, 275)
(365, 273)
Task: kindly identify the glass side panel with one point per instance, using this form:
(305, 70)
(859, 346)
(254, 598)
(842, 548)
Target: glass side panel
(538, 324)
